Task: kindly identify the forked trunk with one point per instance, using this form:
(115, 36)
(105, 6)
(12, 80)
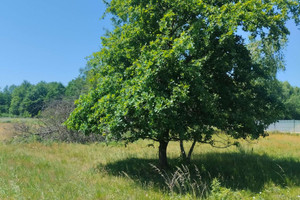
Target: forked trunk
(182, 151)
(186, 159)
(191, 151)
(163, 161)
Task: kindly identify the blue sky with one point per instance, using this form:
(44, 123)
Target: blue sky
(292, 57)
(48, 40)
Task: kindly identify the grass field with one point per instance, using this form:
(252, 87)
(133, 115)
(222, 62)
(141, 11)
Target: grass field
(6, 131)
(265, 169)
(8, 128)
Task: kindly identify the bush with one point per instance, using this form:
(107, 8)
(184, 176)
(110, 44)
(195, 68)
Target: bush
(52, 128)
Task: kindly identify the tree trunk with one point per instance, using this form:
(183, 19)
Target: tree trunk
(191, 151)
(182, 151)
(163, 161)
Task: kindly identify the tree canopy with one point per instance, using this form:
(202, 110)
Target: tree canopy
(174, 70)
(291, 100)
(28, 99)
(5, 99)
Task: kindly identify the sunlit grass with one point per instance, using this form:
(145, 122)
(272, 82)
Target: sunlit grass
(64, 171)
(268, 169)
(10, 127)
(16, 120)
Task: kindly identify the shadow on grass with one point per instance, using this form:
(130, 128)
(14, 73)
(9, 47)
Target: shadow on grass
(233, 170)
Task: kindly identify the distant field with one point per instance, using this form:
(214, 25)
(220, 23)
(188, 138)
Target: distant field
(265, 169)
(6, 131)
(13, 120)
(7, 126)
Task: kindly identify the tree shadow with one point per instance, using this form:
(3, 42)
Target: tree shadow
(237, 171)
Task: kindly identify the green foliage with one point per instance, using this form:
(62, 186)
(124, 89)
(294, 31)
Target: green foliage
(17, 97)
(175, 70)
(81, 84)
(55, 90)
(27, 99)
(291, 100)
(39, 95)
(75, 88)
(33, 101)
(5, 99)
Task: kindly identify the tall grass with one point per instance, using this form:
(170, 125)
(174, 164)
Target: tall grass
(182, 181)
(266, 169)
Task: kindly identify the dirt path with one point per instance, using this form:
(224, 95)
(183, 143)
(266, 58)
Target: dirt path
(6, 131)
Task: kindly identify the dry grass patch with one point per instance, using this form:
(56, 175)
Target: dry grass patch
(6, 131)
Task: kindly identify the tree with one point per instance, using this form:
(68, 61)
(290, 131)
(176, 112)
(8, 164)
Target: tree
(55, 91)
(17, 97)
(81, 84)
(28, 99)
(292, 106)
(5, 99)
(75, 88)
(34, 99)
(175, 70)
(3, 103)
(291, 101)
(41, 94)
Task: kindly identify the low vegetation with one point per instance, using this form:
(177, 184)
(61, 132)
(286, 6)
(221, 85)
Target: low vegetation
(265, 169)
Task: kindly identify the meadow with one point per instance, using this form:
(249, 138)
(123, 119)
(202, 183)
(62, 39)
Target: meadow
(268, 168)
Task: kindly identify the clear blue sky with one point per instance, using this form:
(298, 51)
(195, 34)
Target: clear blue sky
(49, 40)
(292, 57)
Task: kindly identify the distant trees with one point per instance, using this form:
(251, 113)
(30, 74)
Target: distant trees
(291, 101)
(75, 88)
(80, 84)
(28, 99)
(5, 99)
(17, 97)
(39, 95)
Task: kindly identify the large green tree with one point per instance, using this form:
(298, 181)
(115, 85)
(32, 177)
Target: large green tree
(174, 70)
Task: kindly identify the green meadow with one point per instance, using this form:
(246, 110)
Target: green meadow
(265, 169)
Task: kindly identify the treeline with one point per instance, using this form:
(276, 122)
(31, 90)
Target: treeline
(291, 101)
(27, 99)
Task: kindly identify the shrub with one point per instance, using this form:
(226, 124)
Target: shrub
(49, 126)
